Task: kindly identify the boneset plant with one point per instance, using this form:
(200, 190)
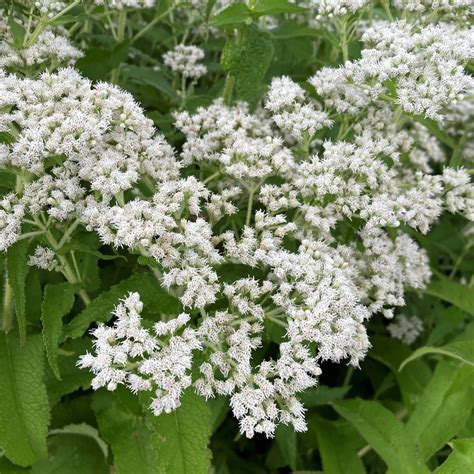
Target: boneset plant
(296, 197)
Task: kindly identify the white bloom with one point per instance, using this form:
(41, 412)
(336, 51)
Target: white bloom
(185, 60)
(407, 329)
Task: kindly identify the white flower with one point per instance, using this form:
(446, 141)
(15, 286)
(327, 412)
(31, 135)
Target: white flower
(407, 329)
(185, 60)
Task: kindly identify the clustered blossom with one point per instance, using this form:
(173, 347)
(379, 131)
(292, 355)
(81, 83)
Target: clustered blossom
(51, 45)
(330, 8)
(317, 227)
(405, 328)
(121, 4)
(43, 258)
(185, 60)
(425, 64)
(289, 112)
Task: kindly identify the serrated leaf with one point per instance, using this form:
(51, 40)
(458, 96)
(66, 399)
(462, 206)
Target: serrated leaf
(58, 300)
(100, 309)
(24, 414)
(234, 14)
(460, 350)
(275, 7)
(384, 432)
(184, 437)
(461, 460)
(459, 295)
(248, 62)
(443, 409)
(17, 269)
(133, 443)
(344, 459)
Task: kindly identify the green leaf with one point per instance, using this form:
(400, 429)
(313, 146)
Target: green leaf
(322, 395)
(456, 157)
(434, 129)
(72, 377)
(184, 437)
(152, 78)
(99, 62)
(459, 295)
(384, 432)
(443, 409)
(72, 454)
(460, 350)
(461, 460)
(344, 458)
(24, 414)
(57, 302)
(100, 309)
(233, 15)
(84, 429)
(392, 352)
(17, 31)
(133, 443)
(292, 29)
(274, 7)
(17, 268)
(285, 436)
(248, 62)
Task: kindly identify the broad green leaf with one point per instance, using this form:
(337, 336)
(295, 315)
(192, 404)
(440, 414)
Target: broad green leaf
(17, 268)
(275, 7)
(461, 460)
(338, 450)
(412, 381)
(443, 409)
(456, 157)
(24, 413)
(183, 437)
(248, 61)
(72, 377)
(460, 350)
(285, 436)
(322, 395)
(384, 432)
(459, 295)
(72, 454)
(57, 302)
(233, 15)
(152, 78)
(99, 62)
(17, 31)
(292, 29)
(83, 429)
(6, 467)
(133, 444)
(100, 309)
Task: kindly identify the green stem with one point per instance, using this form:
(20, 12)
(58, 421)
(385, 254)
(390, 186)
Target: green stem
(7, 314)
(229, 86)
(151, 24)
(249, 207)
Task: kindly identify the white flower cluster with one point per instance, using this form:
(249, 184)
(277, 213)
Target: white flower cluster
(49, 7)
(185, 60)
(121, 4)
(448, 6)
(425, 64)
(51, 45)
(286, 102)
(330, 8)
(405, 328)
(43, 258)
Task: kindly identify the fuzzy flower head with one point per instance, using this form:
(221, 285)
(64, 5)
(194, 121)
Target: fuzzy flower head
(185, 60)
